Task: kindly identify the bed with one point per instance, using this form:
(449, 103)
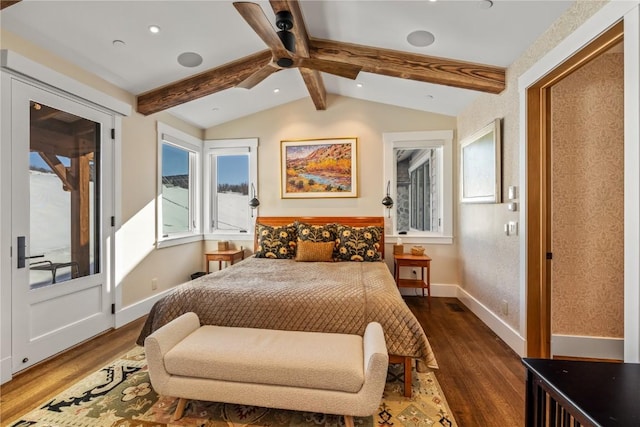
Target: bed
(340, 297)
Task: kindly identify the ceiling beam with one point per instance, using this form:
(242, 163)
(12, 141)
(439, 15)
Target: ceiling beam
(312, 78)
(315, 86)
(215, 80)
(412, 66)
(7, 3)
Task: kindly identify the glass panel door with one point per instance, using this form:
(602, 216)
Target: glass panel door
(64, 162)
(61, 205)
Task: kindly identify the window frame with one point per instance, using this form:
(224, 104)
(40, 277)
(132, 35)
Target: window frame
(228, 146)
(193, 145)
(418, 140)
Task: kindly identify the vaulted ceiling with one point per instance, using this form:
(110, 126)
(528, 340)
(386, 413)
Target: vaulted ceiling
(351, 47)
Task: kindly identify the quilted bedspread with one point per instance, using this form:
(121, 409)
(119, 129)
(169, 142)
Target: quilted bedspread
(340, 297)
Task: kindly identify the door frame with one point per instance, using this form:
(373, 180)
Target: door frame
(538, 166)
(58, 328)
(14, 65)
(604, 29)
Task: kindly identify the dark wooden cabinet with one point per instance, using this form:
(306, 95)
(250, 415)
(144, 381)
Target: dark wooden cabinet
(578, 393)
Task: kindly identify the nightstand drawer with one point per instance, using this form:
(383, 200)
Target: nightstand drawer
(414, 263)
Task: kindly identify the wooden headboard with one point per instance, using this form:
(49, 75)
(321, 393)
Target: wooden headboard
(353, 221)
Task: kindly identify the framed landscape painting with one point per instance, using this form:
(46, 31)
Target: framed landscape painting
(318, 168)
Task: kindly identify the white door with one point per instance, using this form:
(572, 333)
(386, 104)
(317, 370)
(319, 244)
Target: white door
(61, 210)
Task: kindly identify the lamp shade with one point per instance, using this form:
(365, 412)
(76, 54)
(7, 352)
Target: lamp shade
(254, 202)
(388, 201)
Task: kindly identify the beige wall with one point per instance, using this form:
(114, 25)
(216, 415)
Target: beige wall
(344, 117)
(490, 263)
(139, 261)
(587, 273)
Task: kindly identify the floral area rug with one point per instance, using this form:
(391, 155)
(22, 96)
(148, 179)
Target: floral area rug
(120, 395)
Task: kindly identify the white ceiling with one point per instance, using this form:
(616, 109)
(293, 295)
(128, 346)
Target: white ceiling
(83, 32)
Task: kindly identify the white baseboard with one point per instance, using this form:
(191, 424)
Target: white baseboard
(588, 347)
(137, 310)
(495, 323)
(5, 370)
(437, 290)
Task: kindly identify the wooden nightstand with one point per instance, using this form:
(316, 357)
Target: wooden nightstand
(421, 261)
(229, 256)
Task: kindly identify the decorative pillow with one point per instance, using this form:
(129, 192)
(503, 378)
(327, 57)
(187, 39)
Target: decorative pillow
(316, 233)
(276, 242)
(358, 243)
(314, 251)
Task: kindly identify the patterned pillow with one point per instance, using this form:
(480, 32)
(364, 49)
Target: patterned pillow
(316, 233)
(309, 251)
(358, 243)
(276, 242)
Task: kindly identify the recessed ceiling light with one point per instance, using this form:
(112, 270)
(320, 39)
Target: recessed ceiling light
(420, 38)
(433, 0)
(359, 84)
(276, 90)
(486, 4)
(189, 59)
(118, 43)
(154, 29)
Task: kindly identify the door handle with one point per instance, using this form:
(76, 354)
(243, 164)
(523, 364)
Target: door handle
(21, 249)
(21, 252)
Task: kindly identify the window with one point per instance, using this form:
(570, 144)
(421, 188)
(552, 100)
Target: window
(178, 186)
(230, 181)
(418, 166)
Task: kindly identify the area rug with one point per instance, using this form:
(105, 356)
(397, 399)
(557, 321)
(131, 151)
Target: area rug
(120, 395)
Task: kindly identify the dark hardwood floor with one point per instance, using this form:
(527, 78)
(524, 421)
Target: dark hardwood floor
(44, 380)
(482, 378)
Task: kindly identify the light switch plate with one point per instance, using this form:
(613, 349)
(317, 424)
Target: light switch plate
(513, 206)
(513, 192)
(513, 228)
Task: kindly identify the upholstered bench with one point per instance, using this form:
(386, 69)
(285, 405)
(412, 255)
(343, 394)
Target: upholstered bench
(306, 371)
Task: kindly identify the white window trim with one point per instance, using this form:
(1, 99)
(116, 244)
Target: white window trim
(421, 139)
(191, 143)
(219, 144)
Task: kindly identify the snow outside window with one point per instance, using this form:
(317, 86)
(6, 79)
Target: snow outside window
(178, 187)
(230, 182)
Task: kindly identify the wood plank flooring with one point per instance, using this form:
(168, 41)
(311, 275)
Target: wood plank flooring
(482, 378)
(44, 380)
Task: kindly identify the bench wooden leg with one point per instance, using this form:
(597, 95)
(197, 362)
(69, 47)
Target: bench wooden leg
(348, 421)
(179, 409)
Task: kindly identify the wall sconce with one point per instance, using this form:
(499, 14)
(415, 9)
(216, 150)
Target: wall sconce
(388, 201)
(254, 202)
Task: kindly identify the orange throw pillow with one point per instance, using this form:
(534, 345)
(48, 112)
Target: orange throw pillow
(314, 251)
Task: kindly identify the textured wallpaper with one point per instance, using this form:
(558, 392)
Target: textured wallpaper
(587, 180)
(489, 260)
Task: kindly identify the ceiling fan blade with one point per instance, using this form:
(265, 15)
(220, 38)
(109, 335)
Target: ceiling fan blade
(341, 69)
(255, 17)
(258, 76)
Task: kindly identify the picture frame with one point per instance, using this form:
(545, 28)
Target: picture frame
(318, 168)
(480, 165)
